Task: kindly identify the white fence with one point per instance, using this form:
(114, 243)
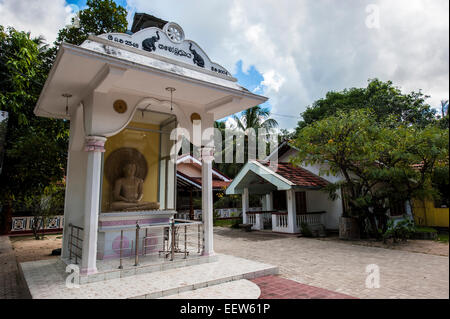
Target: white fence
(25, 223)
(310, 219)
(280, 223)
(221, 212)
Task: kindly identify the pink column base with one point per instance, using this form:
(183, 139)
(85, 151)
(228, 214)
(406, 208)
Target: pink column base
(88, 271)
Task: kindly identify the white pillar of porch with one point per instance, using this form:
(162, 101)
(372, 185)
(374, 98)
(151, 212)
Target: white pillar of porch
(292, 215)
(207, 156)
(245, 205)
(269, 201)
(259, 222)
(94, 145)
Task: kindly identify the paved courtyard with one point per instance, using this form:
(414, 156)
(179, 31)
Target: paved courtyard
(341, 267)
(320, 268)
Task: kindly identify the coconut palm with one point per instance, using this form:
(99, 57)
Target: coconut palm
(255, 117)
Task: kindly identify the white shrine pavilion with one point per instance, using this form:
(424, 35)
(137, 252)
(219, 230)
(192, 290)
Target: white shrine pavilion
(123, 95)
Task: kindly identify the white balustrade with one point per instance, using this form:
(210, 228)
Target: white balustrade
(309, 219)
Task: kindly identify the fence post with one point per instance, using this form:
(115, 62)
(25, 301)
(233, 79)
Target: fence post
(172, 248)
(185, 242)
(70, 241)
(136, 253)
(198, 239)
(120, 249)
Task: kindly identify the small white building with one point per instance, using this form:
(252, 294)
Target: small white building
(291, 195)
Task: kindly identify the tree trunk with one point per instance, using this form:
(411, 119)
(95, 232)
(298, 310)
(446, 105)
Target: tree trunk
(348, 228)
(374, 227)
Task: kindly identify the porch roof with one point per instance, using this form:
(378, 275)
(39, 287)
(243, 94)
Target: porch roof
(186, 181)
(261, 178)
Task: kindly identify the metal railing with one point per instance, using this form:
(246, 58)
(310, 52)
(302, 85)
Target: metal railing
(75, 247)
(164, 239)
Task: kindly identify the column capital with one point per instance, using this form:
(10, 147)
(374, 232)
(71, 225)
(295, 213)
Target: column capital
(94, 143)
(207, 153)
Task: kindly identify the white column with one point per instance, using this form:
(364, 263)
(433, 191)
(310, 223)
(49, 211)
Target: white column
(94, 145)
(259, 225)
(264, 202)
(207, 201)
(292, 215)
(269, 201)
(245, 205)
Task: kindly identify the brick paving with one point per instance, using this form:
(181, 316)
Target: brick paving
(276, 287)
(10, 285)
(340, 266)
(313, 264)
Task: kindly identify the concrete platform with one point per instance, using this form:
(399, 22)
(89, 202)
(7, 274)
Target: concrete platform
(46, 279)
(109, 269)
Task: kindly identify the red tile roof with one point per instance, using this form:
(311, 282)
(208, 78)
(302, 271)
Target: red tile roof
(217, 183)
(298, 176)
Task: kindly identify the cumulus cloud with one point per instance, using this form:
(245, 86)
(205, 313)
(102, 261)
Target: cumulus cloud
(305, 48)
(41, 18)
(302, 49)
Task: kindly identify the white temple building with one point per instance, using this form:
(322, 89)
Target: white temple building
(123, 95)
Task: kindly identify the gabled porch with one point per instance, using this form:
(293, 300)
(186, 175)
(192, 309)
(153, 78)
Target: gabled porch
(290, 196)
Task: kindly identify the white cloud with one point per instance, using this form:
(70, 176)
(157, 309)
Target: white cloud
(304, 49)
(43, 17)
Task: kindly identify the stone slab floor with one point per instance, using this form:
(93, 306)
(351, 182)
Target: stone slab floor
(341, 267)
(10, 285)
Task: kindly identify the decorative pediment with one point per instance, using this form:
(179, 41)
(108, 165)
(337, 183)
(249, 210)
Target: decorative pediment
(169, 43)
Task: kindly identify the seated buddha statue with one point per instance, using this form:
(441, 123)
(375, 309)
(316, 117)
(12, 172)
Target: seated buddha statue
(128, 192)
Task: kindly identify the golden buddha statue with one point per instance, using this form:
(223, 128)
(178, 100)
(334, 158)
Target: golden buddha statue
(128, 192)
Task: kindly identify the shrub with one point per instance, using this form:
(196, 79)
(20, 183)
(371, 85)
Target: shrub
(306, 232)
(402, 230)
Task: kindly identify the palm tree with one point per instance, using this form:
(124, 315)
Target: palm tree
(255, 117)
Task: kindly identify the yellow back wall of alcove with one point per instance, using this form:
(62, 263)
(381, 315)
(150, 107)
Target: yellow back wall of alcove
(147, 143)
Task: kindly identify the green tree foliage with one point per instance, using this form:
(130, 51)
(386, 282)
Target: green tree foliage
(35, 147)
(382, 163)
(100, 16)
(255, 118)
(383, 98)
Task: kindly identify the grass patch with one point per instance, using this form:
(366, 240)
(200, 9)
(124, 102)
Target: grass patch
(443, 238)
(425, 230)
(226, 222)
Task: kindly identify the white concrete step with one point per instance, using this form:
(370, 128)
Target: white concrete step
(239, 289)
(45, 279)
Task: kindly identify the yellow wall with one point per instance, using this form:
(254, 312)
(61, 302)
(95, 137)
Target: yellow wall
(145, 142)
(425, 214)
